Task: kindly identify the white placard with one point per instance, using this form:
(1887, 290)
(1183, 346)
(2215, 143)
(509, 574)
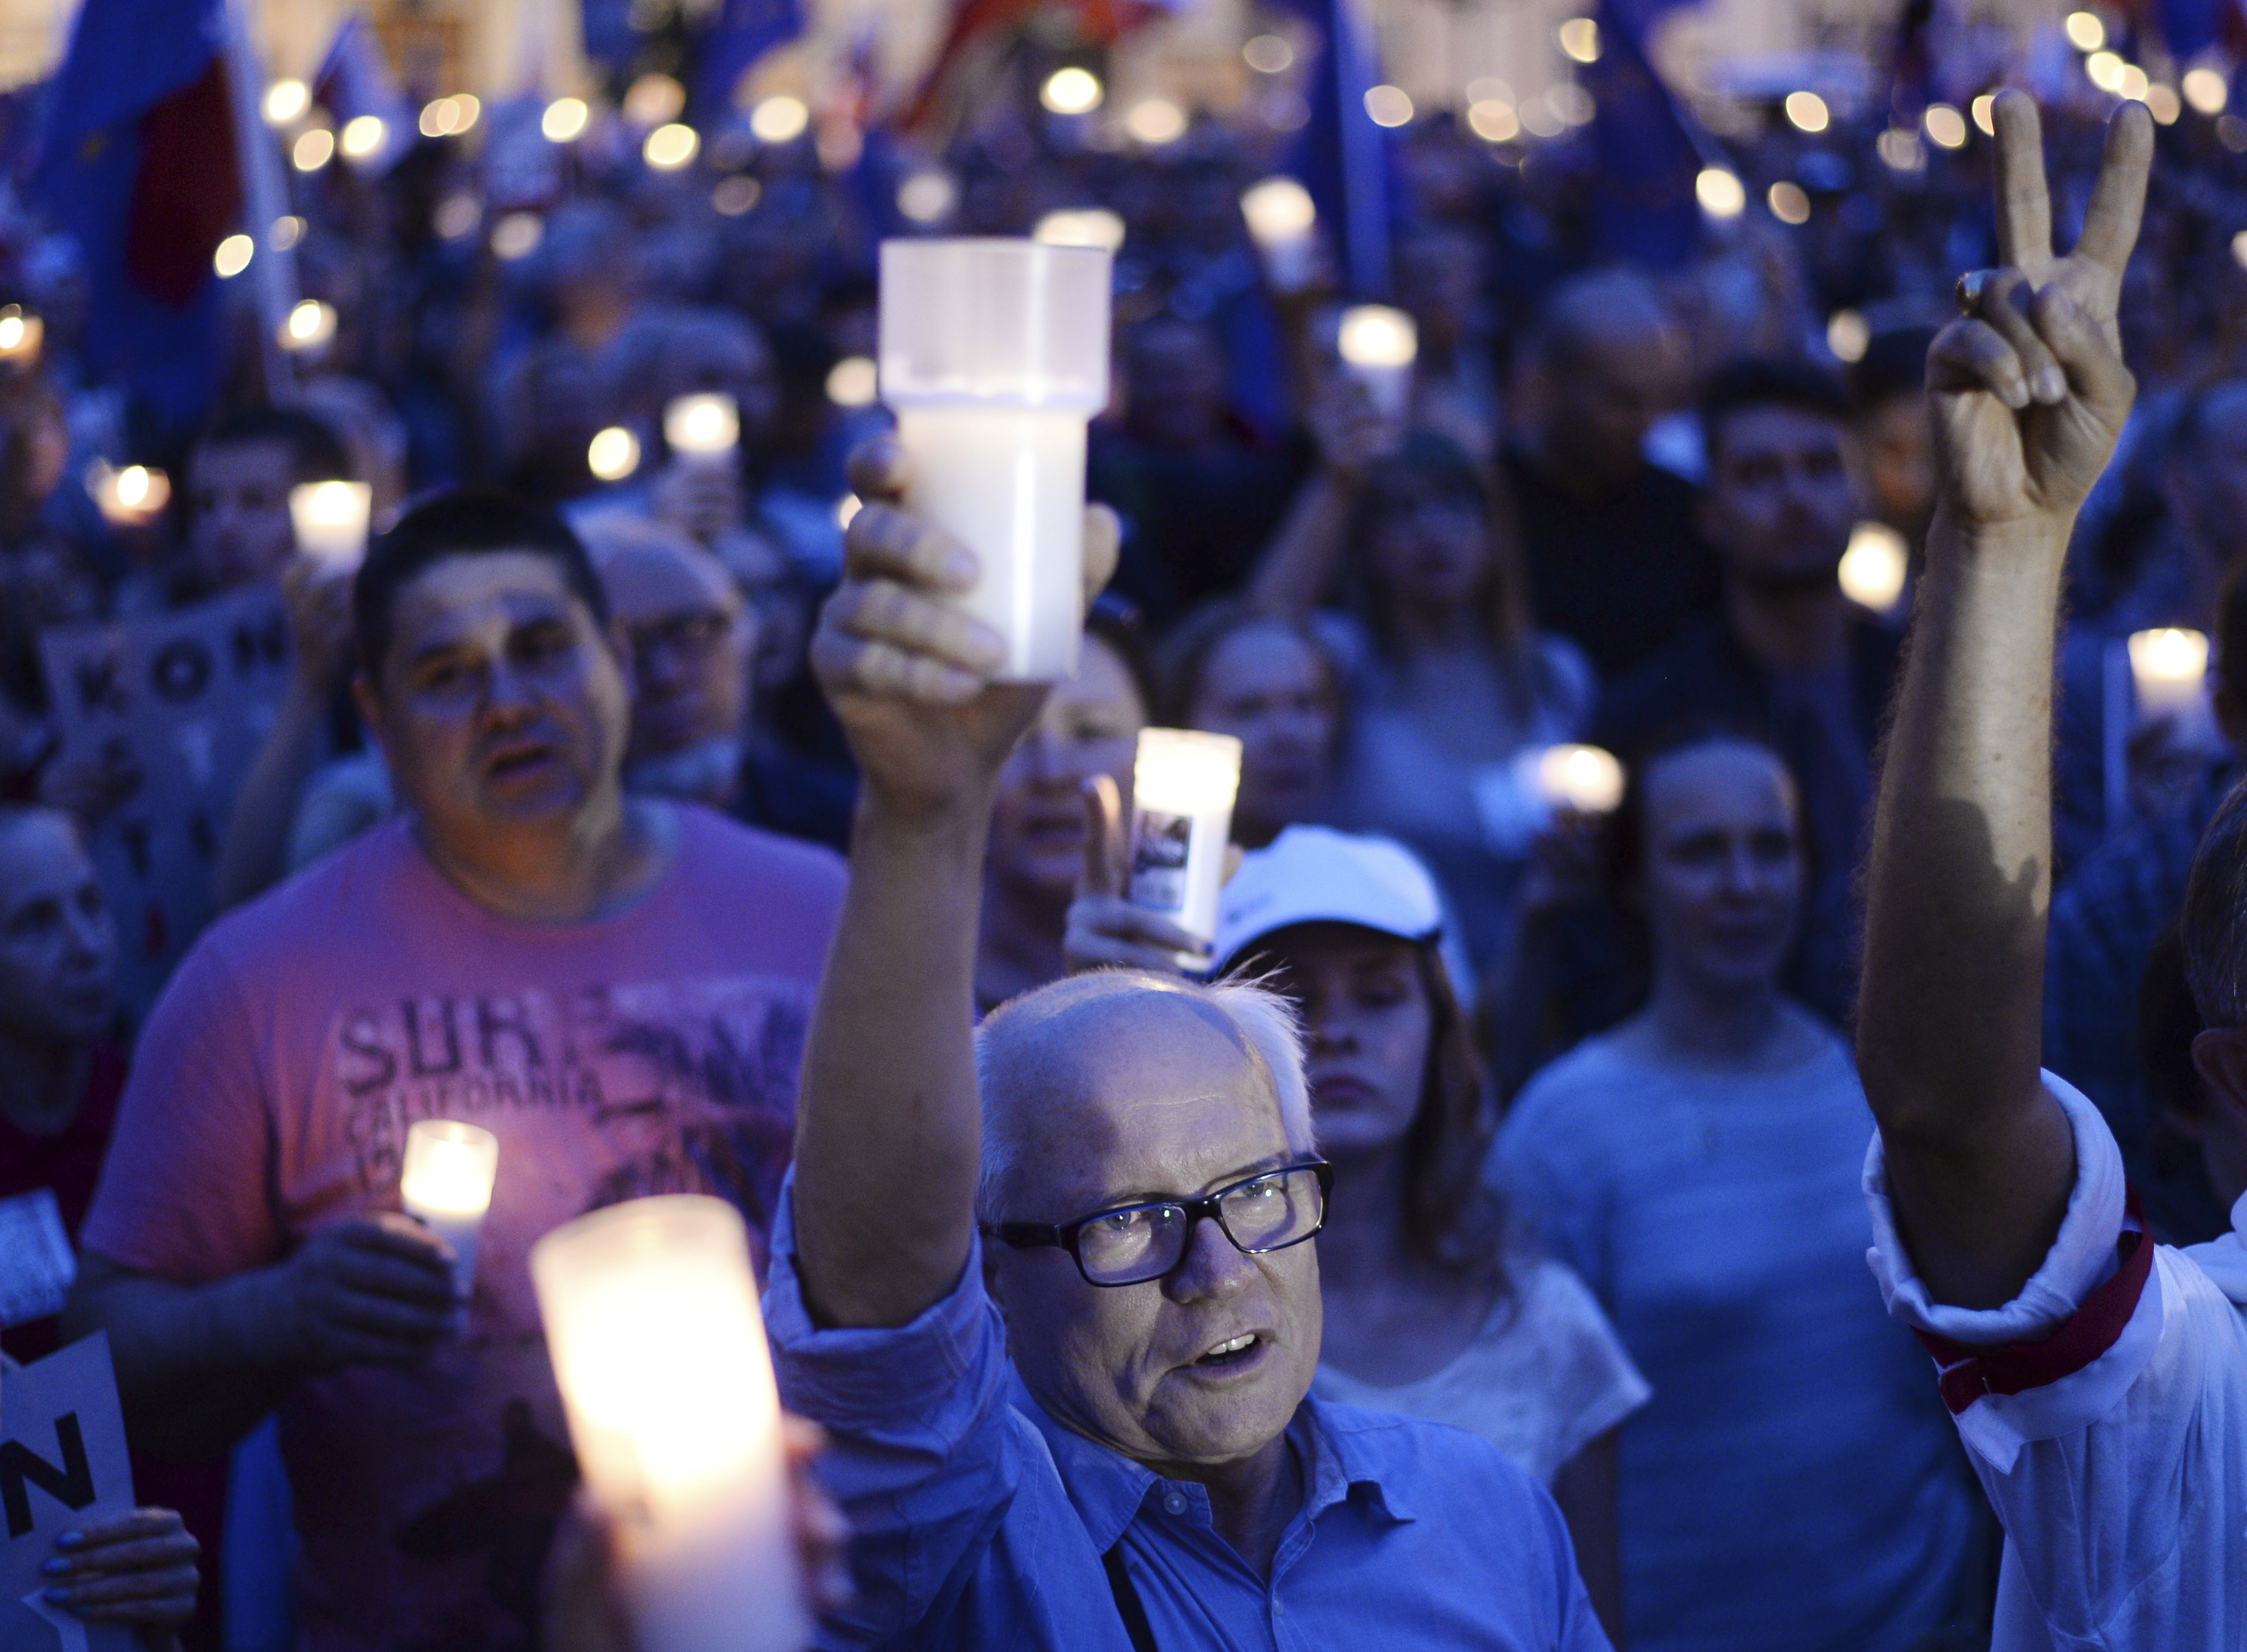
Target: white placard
(188, 696)
(36, 1264)
(62, 1464)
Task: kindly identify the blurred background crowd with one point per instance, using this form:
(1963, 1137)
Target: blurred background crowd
(1657, 482)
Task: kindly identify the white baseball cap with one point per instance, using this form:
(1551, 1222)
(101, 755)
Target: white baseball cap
(1315, 875)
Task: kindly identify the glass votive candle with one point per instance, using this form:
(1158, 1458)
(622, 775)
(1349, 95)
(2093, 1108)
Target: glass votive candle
(1183, 786)
(447, 1186)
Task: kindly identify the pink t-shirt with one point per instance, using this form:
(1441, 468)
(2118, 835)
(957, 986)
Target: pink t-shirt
(653, 1052)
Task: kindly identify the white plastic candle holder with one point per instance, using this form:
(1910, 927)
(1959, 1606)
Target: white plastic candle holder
(1583, 778)
(658, 1347)
(994, 356)
(1282, 221)
(1183, 786)
(1378, 346)
(705, 426)
(330, 519)
(447, 1186)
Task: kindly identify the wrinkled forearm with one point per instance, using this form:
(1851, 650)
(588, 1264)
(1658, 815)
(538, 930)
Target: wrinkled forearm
(1950, 1016)
(889, 1131)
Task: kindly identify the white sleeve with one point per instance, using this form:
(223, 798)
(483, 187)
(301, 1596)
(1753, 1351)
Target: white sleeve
(2062, 1352)
(2105, 1409)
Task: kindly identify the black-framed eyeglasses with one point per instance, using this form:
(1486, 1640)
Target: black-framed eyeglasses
(1132, 1244)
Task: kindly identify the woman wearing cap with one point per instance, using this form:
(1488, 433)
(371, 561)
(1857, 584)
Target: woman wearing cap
(1792, 1486)
(1427, 1311)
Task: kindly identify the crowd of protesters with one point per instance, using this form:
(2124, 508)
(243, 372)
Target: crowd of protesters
(548, 829)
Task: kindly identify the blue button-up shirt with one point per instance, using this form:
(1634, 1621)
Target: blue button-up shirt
(981, 1523)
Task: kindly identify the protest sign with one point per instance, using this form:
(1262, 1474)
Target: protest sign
(62, 1464)
(185, 697)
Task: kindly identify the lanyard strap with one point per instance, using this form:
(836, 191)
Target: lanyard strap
(1128, 1606)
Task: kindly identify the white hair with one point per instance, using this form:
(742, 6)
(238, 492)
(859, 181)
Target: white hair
(1263, 1021)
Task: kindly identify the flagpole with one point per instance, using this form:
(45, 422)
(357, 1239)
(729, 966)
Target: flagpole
(265, 203)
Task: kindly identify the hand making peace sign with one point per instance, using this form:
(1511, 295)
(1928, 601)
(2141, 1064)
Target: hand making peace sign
(2029, 388)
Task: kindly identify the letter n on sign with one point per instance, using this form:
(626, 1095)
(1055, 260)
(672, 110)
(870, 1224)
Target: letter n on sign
(62, 1460)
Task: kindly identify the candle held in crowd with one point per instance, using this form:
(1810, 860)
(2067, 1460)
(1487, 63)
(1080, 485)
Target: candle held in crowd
(1875, 567)
(1378, 346)
(1282, 220)
(1183, 786)
(993, 356)
(2169, 667)
(707, 425)
(131, 497)
(330, 519)
(658, 1347)
(21, 335)
(1582, 778)
(447, 1186)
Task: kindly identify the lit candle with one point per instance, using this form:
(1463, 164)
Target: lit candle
(707, 425)
(1378, 346)
(331, 519)
(658, 1348)
(995, 357)
(310, 325)
(2169, 667)
(1583, 778)
(20, 335)
(447, 1186)
(1873, 567)
(1183, 786)
(1281, 218)
(1081, 227)
(132, 497)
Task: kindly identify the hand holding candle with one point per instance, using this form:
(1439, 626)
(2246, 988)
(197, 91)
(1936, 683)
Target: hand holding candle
(330, 519)
(1182, 790)
(658, 1347)
(448, 1186)
(994, 356)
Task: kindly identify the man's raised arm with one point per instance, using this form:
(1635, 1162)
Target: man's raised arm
(889, 1125)
(2028, 394)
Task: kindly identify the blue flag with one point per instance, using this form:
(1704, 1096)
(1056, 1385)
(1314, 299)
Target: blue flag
(1340, 156)
(138, 162)
(1647, 160)
(744, 32)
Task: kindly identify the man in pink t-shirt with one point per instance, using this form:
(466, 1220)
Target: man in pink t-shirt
(616, 988)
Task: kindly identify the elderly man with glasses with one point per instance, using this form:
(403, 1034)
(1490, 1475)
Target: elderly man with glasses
(1049, 1285)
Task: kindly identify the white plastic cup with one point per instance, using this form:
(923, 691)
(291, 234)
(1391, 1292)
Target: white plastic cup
(446, 1185)
(658, 1348)
(1183, 786)
(995, 357)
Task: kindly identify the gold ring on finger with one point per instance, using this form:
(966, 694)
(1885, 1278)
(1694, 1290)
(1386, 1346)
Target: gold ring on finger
(1969, 291)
